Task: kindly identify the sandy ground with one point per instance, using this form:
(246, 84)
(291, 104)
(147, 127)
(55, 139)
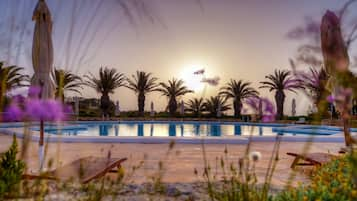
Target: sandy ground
(180, 163)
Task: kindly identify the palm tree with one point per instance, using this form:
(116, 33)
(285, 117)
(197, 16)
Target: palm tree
(314, 83)
(67, 81)
(10, 78)
(215, 103)
(281, 81)
(196, 106)
(172, 91)
(238, 91)
(142, 83)
(108, 81)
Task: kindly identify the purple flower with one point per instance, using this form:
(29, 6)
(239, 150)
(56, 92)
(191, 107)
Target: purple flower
(68, 109)
(13, 113)
(211, 81)
(263, 107)
(34, 110)
(54, 110)
(34, 92)
(330, 99)
(18, 99)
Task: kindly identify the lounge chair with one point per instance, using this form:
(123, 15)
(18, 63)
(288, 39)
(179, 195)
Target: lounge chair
(83, 169)
(301, 120)
(312, 159)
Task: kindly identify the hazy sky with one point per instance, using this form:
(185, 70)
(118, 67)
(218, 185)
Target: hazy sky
(229, 38)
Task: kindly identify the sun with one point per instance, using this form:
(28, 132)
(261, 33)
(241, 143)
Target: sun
(192, 81)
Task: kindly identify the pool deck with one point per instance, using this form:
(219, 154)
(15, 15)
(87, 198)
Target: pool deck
(184, 158)
(179, 165)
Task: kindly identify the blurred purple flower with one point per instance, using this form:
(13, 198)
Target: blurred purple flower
(330, 99)
(34, 92)
(13, 113)
(35, 109)
(68, 109)
(263, 107)
(18, 99)
(55, 110)
(47, 110)
(211, 81)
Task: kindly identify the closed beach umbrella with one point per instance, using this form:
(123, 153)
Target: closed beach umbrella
(182, 108)
(117, 109)
(42, 59)
(219, 112)
(76, 106)
(152, 111)
(293, 107)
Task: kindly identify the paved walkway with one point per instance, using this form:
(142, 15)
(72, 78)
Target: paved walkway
(180, 163)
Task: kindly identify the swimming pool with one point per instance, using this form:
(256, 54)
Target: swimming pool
(186, 132)
(181, 129)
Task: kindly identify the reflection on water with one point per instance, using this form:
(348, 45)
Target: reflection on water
(103, 130)
(237, 130)
(181, 129)
(172, 129)
(116, 130)
(165, 129)
(197, 129)
(260, 131)
(140, 129)
(151, 129)
(215, 130)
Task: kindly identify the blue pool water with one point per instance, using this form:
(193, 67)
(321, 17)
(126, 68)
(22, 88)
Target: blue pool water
(182, 129)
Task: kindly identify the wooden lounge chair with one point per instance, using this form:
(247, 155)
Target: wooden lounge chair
(312, 159)
(84, 169)
(301, 120)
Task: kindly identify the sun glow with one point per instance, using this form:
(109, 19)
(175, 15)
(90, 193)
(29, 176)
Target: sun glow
(192, 80)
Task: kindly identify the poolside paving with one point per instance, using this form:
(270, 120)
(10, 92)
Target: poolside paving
(180, 162)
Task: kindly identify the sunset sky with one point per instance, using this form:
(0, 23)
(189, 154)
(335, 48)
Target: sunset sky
(228, 38)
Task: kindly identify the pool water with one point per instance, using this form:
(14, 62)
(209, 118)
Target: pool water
(164, 129)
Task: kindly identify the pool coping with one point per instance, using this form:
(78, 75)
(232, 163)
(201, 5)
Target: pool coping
(34, 136)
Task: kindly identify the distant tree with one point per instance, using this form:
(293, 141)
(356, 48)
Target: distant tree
(281, 81)
(238, 91)
(10, 78)
(196, 106)
(67, 81)
(105, 84)
(172, 90)
(314, 82)
(214, 103)
(142, 83)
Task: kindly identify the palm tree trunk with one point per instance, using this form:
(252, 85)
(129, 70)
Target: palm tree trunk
(322, 105)
(237, 108)
(280, 99)
(172, 106)
(141, 103)
(105, 104)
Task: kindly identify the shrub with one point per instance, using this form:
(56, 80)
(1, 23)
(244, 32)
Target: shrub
(332, 181)
(11, 171)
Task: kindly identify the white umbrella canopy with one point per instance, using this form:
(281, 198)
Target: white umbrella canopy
(42, 60)
(42, 51)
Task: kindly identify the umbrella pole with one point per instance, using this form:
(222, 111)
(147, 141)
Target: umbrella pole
(41, 149)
